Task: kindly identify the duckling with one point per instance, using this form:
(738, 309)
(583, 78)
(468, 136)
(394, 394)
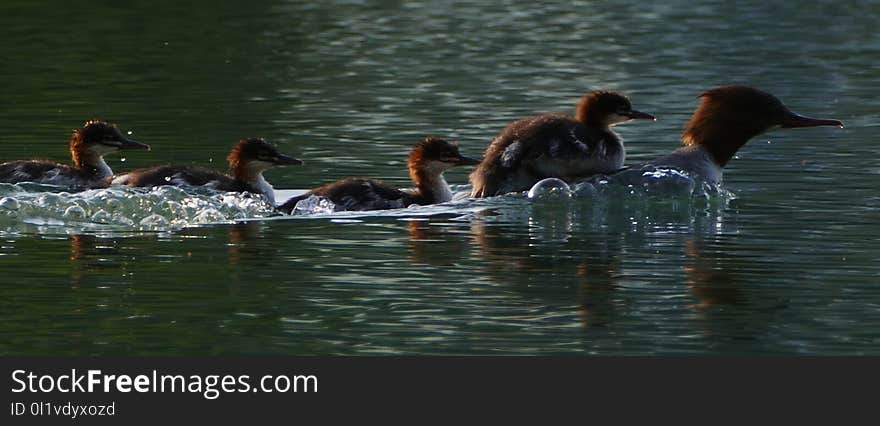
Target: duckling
(88, 146)
(427, 162)
(557, 145)
(248, 160)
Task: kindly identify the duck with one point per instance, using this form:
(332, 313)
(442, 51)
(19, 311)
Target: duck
(427, 162)
(557, 145)
(248, 160)
(725, 120)
(88, 146)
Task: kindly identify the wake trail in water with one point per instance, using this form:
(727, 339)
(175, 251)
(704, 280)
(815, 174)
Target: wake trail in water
(45, 209)
(41, 209)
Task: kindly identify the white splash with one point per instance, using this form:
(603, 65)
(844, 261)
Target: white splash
(122, 209)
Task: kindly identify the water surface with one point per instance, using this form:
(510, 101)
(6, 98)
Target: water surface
(783, 261)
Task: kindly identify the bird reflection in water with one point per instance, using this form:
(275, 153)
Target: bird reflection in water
(581, 270)
(90, 254)
(711, 281)
(241, 234)
(540, 254)
(729, 305)
(437, 242)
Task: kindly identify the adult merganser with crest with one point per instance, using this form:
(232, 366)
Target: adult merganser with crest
(557, 145)
(427, 162)
(88, 146)
(726, 119)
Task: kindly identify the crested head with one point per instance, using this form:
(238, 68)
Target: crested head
(733, 108)
(728, 116)
(252, 156)
(97, 138)
(433, 149)
(604, 108)
(94, 130)
(428, 160)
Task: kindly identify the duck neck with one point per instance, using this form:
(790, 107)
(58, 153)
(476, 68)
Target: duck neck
(610, 144)
(263, 186)
(430, 183)
(721, 146)
(600, 126)
(91, 163)
(611, 138)
(251, 174)
(720, 133)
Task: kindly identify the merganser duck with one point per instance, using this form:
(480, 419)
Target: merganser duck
(88, 146)
(557, 145)
(248, 160)
(726, 119)
(427, 162)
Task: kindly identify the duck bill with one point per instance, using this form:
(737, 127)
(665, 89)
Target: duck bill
(284, 160)
(797, 120)
(638, 115)
(134, 145)
(467, 161)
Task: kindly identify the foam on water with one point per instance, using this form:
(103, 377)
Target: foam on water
(314, 205)
(639, 197)
(638, 194)
(38, 209)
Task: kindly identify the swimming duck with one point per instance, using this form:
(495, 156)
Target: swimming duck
(557, 145)
(88, 146)
(248, 160)
(427, 162)
(725, 120)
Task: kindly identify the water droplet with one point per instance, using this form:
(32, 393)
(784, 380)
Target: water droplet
(9, 203)
(75, 213)
(585, 190)
(550, 188)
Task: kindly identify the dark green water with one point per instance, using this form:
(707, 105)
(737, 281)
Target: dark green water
(787, 264)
